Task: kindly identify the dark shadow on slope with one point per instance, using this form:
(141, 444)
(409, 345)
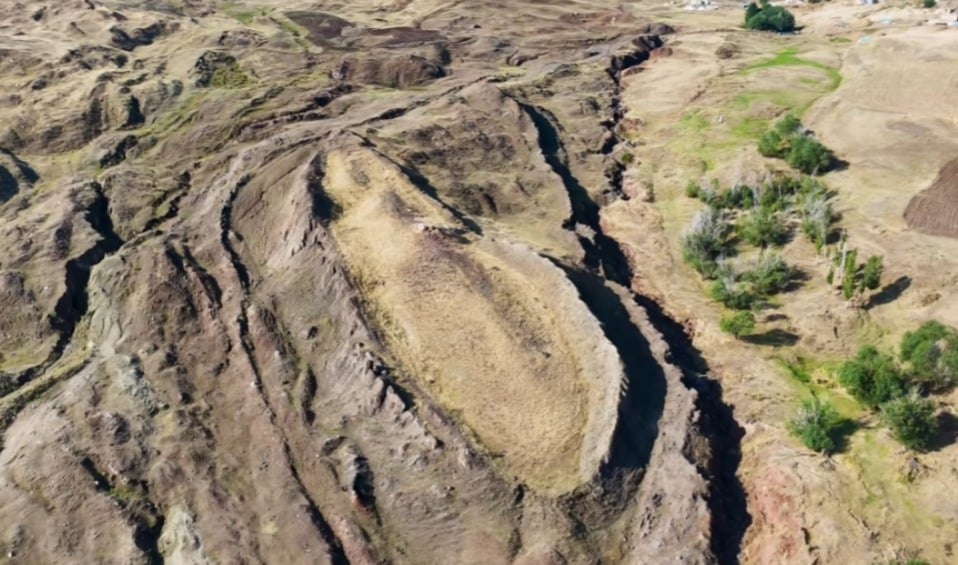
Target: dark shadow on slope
(74, 302)
(727, 499)
(643, 398)
(602, 250)
(841, 432)
(947, 431)
(890, 292)
(772, 338)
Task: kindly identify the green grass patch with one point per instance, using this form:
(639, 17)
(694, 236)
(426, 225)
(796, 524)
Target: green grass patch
(241, 13)
(694, 122)
(787, 58)
(750, 128)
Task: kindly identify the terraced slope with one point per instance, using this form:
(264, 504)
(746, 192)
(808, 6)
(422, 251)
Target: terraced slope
(328, 284)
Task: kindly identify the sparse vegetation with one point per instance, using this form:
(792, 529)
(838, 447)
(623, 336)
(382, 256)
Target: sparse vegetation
(766, 17)
(738, 324)
(929, 4)
(912, 420)
(816, 425)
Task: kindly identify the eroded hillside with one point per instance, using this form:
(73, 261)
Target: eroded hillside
(328, 284)
(397, 282)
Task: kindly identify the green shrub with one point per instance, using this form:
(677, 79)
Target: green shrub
(788, 125)
(773, 145)
(778, 193)
(871, 273)
(788, 140)
(739, 196)
(732, 294)
(931, 355)
(850, 272)
(871, 377)
(912, 420)
(817, 217)
(807, 155)
(768, 18)
(762, 227)
(704, 241)
(770, 275)
(692, 189)
(929, 3)
(816, 425)
(738, 324)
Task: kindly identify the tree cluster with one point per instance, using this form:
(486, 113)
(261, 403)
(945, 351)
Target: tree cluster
(766, 17)
(928, 363)
(789, 140)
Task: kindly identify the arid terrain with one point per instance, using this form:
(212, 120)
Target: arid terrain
(400, 281)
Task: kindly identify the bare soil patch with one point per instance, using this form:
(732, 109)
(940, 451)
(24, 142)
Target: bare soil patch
(935, 210)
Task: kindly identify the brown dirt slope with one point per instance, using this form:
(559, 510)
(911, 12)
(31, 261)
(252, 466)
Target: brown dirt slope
(328, 284)
(935, 210)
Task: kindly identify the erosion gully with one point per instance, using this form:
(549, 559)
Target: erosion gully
(644, 394)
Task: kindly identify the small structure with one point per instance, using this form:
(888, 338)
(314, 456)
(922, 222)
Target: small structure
(700, 5)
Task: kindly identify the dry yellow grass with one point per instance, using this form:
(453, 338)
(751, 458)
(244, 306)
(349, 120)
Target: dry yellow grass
(495, 332)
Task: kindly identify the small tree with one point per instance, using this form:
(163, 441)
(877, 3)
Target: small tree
(912, 420)
(815, 424)
(817, 218)
(704, 240)
(762, 227)
(871, 273)
(738, 324)
(732, 294)
(871, 377)
(807, 155)
(770, 275)
(931, 355)
(768, 18)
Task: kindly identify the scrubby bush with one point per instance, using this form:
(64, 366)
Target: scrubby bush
(768, 18)
(692, 189)
(770, 275)
(739, 196)
(931, 355)
(762, 227)
(788, 140)
(871, 377)
(773, 145)
(732, 294)
(808, 155)
(855, 278)
(738, 324)
(871, 273)
(704, 241)
(775, 142)
(912, 420)
(778, 192)
(929, 3)
(817, 217)
(815, 424)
